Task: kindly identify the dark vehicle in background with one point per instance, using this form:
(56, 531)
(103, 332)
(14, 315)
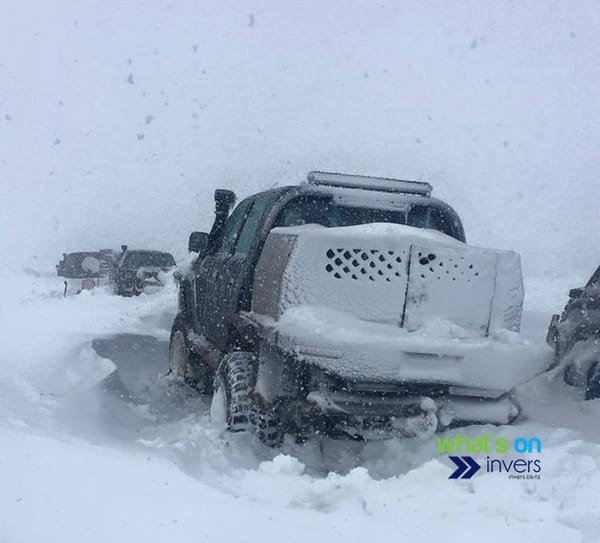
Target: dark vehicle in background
(575, 337)
(85, 270)
(362, 257)
(137, 270)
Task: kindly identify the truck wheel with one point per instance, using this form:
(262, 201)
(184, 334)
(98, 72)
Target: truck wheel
(231, 407)
(592, 387)
(183, 363)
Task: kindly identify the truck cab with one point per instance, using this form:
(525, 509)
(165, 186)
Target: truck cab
(221, 280)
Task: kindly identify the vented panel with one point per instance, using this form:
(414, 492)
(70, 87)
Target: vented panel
(455, 285)
(364, 278)
(445, 267)
(366, 264)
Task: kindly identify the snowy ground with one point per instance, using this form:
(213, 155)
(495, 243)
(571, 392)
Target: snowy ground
(93, 454)
(117, 121)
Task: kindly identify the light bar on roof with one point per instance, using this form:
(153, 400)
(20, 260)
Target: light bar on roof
(370, 183)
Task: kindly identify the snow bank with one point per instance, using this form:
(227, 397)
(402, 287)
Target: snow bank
(39, 365)
(545, 510)
(78, 464)
(68, 490)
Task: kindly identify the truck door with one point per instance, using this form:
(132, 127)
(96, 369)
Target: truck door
(234, 270)
(224, 275)
(208, 273)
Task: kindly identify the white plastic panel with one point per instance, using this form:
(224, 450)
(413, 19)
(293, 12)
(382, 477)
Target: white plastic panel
(363, 277)
(450, 284)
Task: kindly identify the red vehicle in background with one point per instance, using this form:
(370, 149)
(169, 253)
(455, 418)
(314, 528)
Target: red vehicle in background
(85, 270)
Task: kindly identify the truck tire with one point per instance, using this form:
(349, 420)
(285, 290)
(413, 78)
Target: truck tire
(231, 407)
(184, 364)
(592, 385)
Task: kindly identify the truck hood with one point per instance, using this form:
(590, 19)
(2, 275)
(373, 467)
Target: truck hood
(440, 352)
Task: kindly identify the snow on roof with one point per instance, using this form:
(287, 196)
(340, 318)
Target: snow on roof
(371, 230)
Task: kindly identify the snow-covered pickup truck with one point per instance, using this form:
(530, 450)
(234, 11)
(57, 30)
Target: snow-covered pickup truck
(349, 306)
(575, 337)
(140, 271)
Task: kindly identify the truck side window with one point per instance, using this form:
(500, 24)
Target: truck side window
(233, 226)
(306, 210)
(252, 224)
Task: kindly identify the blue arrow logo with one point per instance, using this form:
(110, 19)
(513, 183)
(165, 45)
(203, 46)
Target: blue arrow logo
(466, 467)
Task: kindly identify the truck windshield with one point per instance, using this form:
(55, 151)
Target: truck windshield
(315, 210)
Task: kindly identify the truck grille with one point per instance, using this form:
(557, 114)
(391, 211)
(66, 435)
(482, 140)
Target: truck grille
(395, 389)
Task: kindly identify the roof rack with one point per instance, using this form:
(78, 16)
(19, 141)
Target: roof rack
(369, 183)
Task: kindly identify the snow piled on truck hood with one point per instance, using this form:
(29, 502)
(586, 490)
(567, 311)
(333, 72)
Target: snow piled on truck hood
(361, 350)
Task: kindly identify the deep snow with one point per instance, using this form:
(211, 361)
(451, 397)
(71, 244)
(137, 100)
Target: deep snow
(90, 457)
(117, 120)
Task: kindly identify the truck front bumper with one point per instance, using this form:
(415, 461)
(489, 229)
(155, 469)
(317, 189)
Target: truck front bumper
(372, 416)
(494, 364)
(410, 385)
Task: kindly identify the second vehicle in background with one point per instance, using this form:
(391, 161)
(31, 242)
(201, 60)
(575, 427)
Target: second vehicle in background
(575, 337)
(137, 271)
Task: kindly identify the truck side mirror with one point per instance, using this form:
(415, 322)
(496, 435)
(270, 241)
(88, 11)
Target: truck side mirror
(198, 242)
(576, 292)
